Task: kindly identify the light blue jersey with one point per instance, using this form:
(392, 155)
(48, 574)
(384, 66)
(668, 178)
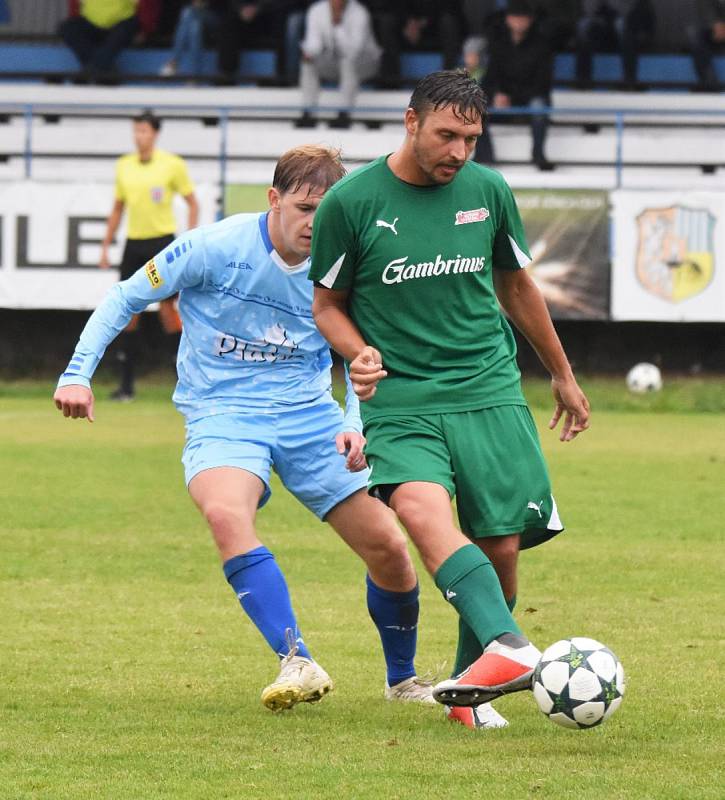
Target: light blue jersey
(249, 342)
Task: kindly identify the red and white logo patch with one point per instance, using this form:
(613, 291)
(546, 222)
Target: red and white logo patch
(475, 215)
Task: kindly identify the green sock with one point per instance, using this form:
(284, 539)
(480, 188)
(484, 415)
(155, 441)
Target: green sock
(469, 648)
(469, 582)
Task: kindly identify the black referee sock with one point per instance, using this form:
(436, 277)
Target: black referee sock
(127, 361)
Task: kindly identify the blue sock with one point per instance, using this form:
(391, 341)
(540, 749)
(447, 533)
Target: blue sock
(396, 616)
(263, 593)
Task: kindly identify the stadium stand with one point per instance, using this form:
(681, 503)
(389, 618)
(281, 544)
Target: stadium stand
(605, 137)
(77, 131)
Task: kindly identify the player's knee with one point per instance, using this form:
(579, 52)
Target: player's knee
(502, 550)
(225, 520)
(411, 513)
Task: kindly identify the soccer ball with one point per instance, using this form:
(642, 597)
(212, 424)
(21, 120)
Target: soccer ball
(578, 683)
(643, 378)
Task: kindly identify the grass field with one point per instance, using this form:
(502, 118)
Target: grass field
(127, 669)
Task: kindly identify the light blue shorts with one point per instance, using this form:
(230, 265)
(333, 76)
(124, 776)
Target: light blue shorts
(298, 444)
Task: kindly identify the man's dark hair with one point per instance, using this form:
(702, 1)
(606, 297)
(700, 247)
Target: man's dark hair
(450, 87)
(147, 115)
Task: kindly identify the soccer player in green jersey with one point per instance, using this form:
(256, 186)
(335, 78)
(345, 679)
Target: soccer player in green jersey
(411, 257)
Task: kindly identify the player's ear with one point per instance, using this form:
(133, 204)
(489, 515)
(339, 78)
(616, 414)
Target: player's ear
(411, 120)
(273, 197)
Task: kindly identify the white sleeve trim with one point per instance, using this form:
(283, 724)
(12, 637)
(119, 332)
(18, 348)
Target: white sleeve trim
(521, 257)
(328, 280)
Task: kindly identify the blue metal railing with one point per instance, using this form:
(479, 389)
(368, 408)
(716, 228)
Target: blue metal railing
(584, 116)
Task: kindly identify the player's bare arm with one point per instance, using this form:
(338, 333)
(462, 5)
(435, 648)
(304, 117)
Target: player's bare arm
(75, 401)
(329, 308)
(114, 220)
(523, 302)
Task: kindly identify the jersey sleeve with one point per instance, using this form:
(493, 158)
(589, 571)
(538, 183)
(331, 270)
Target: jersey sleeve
(352, 421)
(182, 182)
(334, 246)
(178, 266)
(510, 250)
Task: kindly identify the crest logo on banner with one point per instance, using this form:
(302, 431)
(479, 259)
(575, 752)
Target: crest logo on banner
(675, 251)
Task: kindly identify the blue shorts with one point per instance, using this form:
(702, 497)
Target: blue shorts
(299, 444)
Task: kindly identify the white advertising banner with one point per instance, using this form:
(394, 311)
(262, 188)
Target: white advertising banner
(50, 242)
(667, 259)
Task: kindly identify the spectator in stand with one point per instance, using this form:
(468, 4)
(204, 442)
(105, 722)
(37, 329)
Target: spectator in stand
(518, 74)
(706, 39)
(416, 25)
(558, 21)
(478, 15)
(198, 20)
(339, 45)
(623, 25)
(245, 24)
(294, 33)
(97, 30)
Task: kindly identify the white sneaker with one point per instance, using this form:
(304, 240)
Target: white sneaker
(300, 680)
(411, 690)
(476, 717)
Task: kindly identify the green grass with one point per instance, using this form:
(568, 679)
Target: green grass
(128, 671)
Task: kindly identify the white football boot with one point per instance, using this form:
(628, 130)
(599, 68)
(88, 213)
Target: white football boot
(300, 680)
(507, 665)
(411, 690)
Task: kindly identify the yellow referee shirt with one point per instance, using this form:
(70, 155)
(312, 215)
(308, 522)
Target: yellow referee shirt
(107, 13)
(147, 189)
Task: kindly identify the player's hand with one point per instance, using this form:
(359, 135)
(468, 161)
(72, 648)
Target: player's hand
(351, 444)
(104, 262)
(572, 404)
(366, 371)
(75, 401)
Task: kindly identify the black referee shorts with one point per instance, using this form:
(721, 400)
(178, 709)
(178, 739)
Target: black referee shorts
(138, 251)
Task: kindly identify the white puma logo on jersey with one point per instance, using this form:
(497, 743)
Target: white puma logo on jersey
(535, 507)
(450, 595)
(381, 223)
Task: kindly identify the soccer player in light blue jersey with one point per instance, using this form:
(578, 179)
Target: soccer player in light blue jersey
(255, 389)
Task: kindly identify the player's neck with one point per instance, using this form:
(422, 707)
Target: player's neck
(403, 165)
(146, 154)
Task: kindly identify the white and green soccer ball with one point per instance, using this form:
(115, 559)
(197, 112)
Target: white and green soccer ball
(643, 378)
(578, 683)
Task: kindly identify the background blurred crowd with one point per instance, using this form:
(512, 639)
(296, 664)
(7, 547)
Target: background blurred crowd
(463, 31)
(508, 45)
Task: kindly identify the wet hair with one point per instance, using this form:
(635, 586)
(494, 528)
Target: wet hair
(450, 87)
(147, 115)
(317, 165)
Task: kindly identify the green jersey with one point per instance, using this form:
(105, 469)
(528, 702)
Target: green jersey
(417, 262)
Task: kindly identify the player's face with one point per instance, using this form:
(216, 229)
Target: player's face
(442, 142)
(144, 136)
(291, 221)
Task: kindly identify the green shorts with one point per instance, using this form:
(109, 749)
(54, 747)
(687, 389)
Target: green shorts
(490, 460)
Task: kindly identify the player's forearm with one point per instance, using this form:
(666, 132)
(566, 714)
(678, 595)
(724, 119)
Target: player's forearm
(339, 330)
(527, 310)
(104, 324)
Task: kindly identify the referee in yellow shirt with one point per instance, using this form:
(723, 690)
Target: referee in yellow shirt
(146, 182)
